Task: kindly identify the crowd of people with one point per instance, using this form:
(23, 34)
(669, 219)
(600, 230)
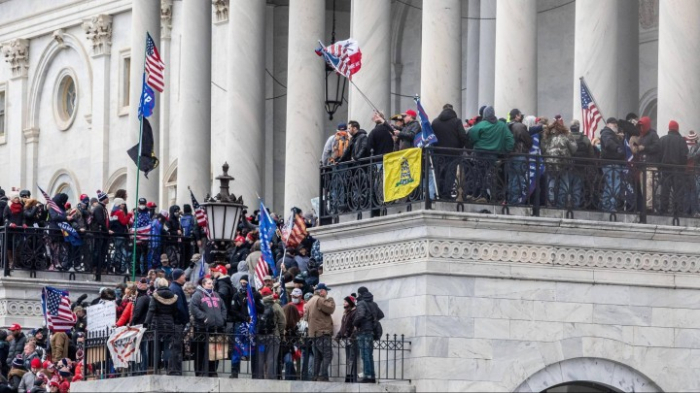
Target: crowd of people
(635, 165)
(291, 338)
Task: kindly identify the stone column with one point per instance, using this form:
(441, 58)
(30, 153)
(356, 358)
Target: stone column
(628, 58)
(268, 153)
(306, 103)
(16, 53)
(279, 90)
(470, 58)
(194, 141)
(145, 17)
(370, 26)
(246, 98)
(441, 60)
(679, 62)
(516, 56)
(166, 27)
(602, 55)
(98, 31)
(487, 52)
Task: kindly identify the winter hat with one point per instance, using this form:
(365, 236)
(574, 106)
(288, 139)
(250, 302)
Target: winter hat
(18, 362)
(297, 292)
(84, 198)
(13, 195)
(244, 278)
(692, 136)
(351, 300)
(36, 363)
(411, 113)
(238, 238)
(68, 206)
(48, 365)
(25, 194)
(342, 127)
(362, 290)
(177, 273)
(673, 125)
(163, 213)
(118, 202)
(54, 384)
(187, 209)
(101, 196)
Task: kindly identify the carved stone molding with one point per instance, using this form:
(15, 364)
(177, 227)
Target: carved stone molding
(22, 308)
(166, 18)
(220, 10)
(511, 253)
(649, 14)
(58, 37)
(16, 54)
(98, 30)
(31, 135)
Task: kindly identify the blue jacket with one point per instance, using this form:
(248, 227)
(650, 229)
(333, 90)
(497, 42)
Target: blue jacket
(183, 313)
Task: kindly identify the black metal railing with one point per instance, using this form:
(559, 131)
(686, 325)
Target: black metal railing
(43, 249)
(461, 177)
(224, 354)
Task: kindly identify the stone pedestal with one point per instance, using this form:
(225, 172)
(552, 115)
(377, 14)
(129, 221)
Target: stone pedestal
(679, 61)
(305, 103)
(246, 97)
(516, 57)
(371, 28)
(441, 63)
(194, 141)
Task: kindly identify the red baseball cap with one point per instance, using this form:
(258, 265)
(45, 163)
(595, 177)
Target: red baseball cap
(36, 363)
(239, 239)
(219, 269)
(265, 291)
(15, 327)
(411, 113)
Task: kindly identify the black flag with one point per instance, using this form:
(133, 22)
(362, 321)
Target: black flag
(149, 161)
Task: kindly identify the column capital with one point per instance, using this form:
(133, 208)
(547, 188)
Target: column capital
(166, 18)
(16, 54)
(98, 30)
(220, 10)
(31, 135)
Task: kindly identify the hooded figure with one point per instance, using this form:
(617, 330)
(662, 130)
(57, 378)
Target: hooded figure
(449, 130)
(648, 145)
(491, 135)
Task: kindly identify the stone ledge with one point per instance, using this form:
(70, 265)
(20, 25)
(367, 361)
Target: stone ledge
(163, 383)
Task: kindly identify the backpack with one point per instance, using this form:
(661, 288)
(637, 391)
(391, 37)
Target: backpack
(266, 322)
(581, 148)
(187, 223)
(377, 330)
(341, 140)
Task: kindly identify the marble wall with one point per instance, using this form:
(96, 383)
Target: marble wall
(496, 303)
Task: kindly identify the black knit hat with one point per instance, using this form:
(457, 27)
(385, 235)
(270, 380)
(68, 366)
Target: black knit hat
(187, 208)
(351, 300)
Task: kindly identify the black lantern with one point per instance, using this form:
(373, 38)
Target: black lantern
(223, 210)
(335, 83)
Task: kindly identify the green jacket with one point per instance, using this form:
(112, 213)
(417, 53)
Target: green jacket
(491, 136)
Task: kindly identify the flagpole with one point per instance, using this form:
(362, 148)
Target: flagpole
(138, 163)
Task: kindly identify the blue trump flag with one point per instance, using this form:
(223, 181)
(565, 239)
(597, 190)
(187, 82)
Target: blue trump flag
(70, 234)
(147, 101)
(267, 230)
(426, 137)
(245, 331)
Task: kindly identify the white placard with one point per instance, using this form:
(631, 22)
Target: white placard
(101, 316)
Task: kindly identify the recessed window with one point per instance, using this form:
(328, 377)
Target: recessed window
(124, 82)
(65, 99)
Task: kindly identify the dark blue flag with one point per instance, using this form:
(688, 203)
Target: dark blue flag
(147, 101)
(267, 230)
(70, 234)
(426, 137)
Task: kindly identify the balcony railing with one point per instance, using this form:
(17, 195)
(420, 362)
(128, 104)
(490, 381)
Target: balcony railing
(459, 177)
(100, 254)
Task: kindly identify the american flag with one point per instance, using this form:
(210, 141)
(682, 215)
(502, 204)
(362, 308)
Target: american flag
(589, 112)
(154, 65)
(52, 205)
(294, 231)
(200, 214)
(266, 262)
(344, 56)
(143, 225)
(56, 306)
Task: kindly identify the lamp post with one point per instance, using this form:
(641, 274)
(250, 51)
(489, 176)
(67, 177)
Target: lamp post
(223, 213)
(335, 83)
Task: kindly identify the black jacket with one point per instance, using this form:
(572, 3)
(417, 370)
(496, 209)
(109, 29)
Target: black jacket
(357, 149)
(674, 149)
(652, 147)
(16, 347)
(611, 147)
(138, 316)
(367, 311)
(224, 288)
(523, 139)
(100, 219)
(239, 307)
(238, 254)
(3, 203)
(162, 309)
(407, 134)
(449, 130)
(183, 312)
(380, 140)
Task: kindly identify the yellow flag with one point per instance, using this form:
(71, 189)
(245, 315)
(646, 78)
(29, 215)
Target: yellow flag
(402, 173)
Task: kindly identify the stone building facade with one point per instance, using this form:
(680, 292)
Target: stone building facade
(243, 84)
